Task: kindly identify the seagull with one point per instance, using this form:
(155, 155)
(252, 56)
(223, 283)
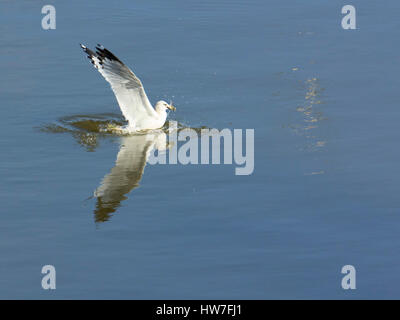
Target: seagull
(129, 91)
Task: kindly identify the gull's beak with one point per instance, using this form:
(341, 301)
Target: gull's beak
(171, 107)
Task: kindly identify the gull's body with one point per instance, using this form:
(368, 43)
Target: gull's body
(129, 91)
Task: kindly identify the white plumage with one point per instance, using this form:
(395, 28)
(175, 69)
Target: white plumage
(129, 91)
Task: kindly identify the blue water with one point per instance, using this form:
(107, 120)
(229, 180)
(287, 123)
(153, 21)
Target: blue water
(324, 193)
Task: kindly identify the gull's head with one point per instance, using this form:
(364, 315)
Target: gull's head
(163, 106)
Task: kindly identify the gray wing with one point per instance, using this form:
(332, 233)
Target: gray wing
(127, 87)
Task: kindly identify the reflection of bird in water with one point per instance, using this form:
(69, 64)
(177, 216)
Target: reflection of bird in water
(127, 172)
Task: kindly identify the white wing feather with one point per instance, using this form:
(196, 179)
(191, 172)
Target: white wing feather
(127, 87)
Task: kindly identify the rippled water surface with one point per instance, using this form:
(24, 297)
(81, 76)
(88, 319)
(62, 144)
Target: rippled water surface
(324, 192)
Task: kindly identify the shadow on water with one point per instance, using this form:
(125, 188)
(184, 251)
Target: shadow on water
(135, 149)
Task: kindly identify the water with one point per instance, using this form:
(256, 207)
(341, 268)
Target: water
(324, 192)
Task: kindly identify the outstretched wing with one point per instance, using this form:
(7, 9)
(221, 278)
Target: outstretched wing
(128, 89)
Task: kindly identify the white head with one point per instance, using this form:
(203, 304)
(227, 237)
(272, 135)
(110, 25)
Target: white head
(162, 106)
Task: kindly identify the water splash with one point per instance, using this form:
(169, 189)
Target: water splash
(88, 130)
